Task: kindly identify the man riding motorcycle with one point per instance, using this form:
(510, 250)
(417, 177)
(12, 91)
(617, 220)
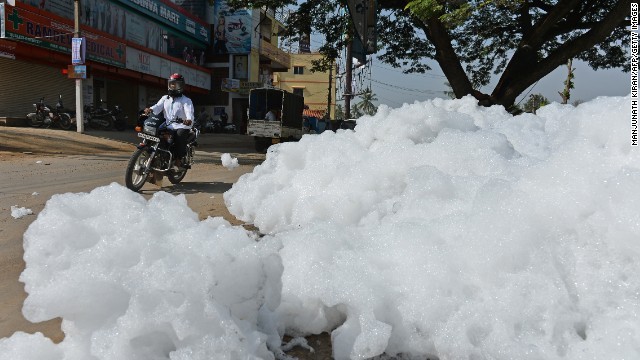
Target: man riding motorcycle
(179, 115)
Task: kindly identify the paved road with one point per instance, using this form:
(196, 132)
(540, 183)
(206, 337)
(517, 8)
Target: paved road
(38, 163)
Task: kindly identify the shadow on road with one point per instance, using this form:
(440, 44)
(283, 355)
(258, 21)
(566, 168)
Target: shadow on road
(200, 187)
(190, 188)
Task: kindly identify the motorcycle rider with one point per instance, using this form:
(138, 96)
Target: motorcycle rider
(176, 105)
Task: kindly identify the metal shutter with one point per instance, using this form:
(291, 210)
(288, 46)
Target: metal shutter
(23, 84)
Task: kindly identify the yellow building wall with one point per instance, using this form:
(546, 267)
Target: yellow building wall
(315, 85)
(254, 65)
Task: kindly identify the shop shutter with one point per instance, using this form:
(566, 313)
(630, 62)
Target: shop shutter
(24, 83)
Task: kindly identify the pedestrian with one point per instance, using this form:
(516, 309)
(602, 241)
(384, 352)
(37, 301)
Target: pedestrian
(224, 117)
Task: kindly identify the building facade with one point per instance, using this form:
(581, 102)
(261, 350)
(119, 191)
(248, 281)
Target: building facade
(244, 54)
(318, 88)
(131, 48)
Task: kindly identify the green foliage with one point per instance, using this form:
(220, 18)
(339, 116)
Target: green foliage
(366, 105)
(565, 94)
(339, 112)
(355, 111)
(472, 41)
(425, 8)
(535, 102)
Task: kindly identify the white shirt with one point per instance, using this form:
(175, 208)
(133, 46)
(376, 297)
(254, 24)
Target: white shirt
(178, 107)
(270, 116)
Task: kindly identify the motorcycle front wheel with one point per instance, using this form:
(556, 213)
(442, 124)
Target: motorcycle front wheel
(65, 121)
(135, 176)
(32, 120)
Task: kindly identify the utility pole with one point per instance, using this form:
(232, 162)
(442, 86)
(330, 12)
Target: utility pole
(79, 100)
(348, 79)
(329, 93)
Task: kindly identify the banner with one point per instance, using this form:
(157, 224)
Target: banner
(172, 17)
(232, 33)
(78, 51)
(364, 16)
(25, 26)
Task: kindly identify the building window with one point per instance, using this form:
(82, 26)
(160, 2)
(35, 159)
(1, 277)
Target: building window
(298, 91)
(298, 70)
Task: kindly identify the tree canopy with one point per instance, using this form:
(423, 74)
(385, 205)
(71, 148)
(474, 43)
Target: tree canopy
(520, 41)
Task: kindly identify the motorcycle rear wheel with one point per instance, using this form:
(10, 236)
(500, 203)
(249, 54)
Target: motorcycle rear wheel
(176, 176)
(65, 121)
(135, 176)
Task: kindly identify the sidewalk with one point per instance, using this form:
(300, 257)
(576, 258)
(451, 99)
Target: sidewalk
(236, 143)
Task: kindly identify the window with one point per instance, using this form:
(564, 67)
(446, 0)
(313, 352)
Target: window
(298, 70)
(298, 91)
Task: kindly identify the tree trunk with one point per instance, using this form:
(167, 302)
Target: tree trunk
(448, 60)
(524, 70)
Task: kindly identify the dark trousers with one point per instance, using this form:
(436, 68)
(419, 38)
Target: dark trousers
(180, 139)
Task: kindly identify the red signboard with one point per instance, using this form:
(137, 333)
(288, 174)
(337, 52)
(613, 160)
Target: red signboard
(26, 26)
(7, 49)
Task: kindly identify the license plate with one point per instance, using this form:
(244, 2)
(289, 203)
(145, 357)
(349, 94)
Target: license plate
(148, 137)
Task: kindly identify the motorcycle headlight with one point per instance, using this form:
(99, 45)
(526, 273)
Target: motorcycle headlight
(150, 130)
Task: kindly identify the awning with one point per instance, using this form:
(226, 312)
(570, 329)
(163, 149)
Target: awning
(314, 113)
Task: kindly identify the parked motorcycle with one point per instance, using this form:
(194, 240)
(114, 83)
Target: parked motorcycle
(47, 116)
(103, 118)
(229, 129)
(153, 158)
(216, 126)
(211, 126)
(119, 118)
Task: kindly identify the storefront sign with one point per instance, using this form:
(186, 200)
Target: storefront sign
(171, 17)
(24, 26)
(238, 86)
(7, 49)
(144, 62)
(77, 71)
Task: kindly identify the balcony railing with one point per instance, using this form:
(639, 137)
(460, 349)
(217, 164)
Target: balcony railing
(280, 60)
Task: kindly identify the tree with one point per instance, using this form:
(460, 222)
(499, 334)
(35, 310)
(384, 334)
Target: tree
(522, 41)
(355, 111)
(339, 114)
(366, 106)
(535, 102)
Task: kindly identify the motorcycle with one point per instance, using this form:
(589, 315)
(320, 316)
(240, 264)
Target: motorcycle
(119, 119)
(103, 118)
(153, 158)
(229, 129)
(46, 116)
(212, 126)
(216, 126)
